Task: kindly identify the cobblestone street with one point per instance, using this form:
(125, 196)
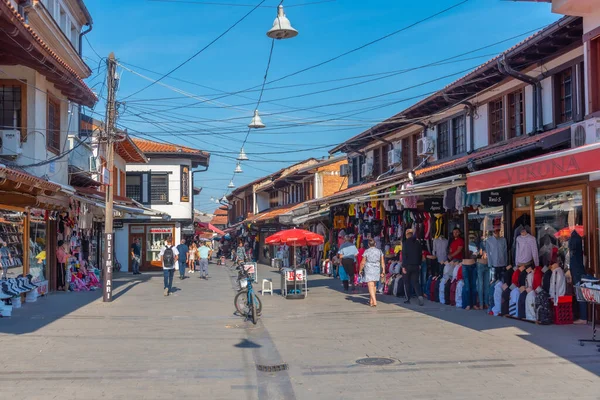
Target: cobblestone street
(190, 345)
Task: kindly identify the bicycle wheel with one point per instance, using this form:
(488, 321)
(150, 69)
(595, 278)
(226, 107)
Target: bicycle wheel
(241, 303)
(254, 316)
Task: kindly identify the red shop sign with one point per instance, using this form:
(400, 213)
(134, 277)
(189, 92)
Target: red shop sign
(161, 230)
(581, 161)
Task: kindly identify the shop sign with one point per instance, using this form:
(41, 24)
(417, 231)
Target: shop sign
(188, 229)
(268, 229)
(434, 204)
(118, 224)
(108, 264)
(576, 162)
(494, 198)
(161, 230)
(137, 229)
(185, 184)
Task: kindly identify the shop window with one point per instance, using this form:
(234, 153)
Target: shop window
(133, 187)
(37, 246)
(442, 140)
(564, 96)
(459, 135)
(159, 188)
(594, 74)
(53, 125)
(516, 114)
(522, 202)
(12, 109)
(11, 243)
(156, 240)
(481, 226)
(496, 116)
(557, 215)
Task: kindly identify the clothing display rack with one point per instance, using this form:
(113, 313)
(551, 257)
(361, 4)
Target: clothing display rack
(591, 296)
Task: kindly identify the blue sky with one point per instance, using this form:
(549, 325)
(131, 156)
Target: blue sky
(157, 36)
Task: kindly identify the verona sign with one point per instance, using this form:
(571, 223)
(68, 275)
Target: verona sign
(576, 162)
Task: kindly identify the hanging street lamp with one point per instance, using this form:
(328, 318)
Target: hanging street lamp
(282, 28)
(238, 169)
(256, 122)
(242, 156)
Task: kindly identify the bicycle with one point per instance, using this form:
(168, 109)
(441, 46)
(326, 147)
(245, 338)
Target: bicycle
(246, 301)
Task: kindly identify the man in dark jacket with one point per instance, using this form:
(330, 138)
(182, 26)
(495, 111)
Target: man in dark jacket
(412, 255)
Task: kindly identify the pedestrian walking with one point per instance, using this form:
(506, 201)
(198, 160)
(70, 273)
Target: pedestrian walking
(183, 250)
(192, 257)
(347, 253)
(412, 256)
(62, 256)
(372, 264)
(168, 257)
(136, 256)
(204, 254)
(240, 252)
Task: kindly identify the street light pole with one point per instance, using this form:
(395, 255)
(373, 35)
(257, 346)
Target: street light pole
(111, 113)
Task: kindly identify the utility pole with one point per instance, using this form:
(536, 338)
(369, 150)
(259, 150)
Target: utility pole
(111, 116)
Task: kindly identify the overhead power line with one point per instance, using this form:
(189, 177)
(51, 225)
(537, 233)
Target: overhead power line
(199, 51)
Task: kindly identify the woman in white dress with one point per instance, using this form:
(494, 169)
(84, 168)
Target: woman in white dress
(373, 264)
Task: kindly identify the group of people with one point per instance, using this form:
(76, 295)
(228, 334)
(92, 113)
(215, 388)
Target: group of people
(181, 257)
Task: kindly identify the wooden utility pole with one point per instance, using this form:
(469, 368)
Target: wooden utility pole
(111, 116)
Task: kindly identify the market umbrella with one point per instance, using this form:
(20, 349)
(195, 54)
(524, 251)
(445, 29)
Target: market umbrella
(566, 232)
(295, 237)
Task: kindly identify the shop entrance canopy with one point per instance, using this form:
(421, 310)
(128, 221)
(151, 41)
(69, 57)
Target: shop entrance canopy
(563, 164)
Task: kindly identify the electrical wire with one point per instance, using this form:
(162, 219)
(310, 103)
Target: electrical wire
(236, 4)
(198, 52)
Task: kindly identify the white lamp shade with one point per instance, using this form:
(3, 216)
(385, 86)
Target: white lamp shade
(282, 28)
(231, 185)
(242, 156)
(256, 122)
(238, 169)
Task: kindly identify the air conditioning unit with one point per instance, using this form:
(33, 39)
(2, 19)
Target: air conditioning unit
(10, 145)
(93, 165)
(395, 155)
(585, 132)
(344, 170)
(425, 146)
(366, 170)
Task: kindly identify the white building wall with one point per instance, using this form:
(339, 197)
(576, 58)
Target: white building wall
(177, 209)
(481, 127)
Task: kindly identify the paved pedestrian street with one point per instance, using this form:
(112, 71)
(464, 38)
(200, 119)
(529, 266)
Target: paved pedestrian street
(190, 345)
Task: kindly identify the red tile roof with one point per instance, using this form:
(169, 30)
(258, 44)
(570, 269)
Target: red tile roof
(219, 220)
(148, 146)
(462, 162)
(86, 96)
(221, 211)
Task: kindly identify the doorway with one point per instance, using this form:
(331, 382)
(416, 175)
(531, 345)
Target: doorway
(132, 239)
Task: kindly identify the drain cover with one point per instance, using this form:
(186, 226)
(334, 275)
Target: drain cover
(272, 368)
(375, 361)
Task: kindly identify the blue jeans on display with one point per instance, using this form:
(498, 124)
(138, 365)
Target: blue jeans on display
(168, 275)
(182, 267)
(483, 283)
(470, 288)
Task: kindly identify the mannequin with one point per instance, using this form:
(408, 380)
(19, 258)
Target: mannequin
(577, 270)
(526, 249)
(497, 253)
(530, 305)
(558, 283)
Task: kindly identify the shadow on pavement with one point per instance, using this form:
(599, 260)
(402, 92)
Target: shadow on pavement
(247, 344)
(562, 340)
(33, 316)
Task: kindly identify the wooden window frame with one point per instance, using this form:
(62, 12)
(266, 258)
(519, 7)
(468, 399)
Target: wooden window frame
(23, 86)
(445, 135)
(591, 41)
(53, 133)
(499, 135)
(123, 183)
(455, 149)
(560, 98)
(377, 162)
(511, 129)
(414, 159)
(404, 151)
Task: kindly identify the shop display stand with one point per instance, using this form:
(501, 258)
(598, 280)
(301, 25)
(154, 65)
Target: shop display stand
(294, 283)
(591, 296)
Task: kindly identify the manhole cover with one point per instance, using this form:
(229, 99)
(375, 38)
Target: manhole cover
(375, 361)
(272, 368)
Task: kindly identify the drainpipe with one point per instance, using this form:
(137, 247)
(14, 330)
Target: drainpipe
(538, 120)
(471, 109)
(81, 35)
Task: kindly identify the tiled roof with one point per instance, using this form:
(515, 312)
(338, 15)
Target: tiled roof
(219, 220)
(462, 162)
(150, 147)
(221, 211)
(273, 212)
(28, 179)
(88, 97)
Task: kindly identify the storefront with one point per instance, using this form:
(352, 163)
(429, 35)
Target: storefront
(152, 239)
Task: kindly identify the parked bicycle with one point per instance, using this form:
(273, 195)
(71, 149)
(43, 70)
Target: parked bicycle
(246, 301)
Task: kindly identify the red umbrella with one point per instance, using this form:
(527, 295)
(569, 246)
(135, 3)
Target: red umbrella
(295, 237)
(565, 232)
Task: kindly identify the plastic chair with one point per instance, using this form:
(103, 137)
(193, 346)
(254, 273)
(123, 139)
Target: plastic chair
(270, 284)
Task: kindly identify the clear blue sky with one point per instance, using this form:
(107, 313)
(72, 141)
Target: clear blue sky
(157, 36)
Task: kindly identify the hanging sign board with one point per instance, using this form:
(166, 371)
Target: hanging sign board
(494, 198)
(185, 184)
(108, 265)
(434, 204)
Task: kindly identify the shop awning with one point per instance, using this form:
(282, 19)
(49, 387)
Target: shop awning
(324, 213)
(211, 227)
(362, 190)
(559, 165)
